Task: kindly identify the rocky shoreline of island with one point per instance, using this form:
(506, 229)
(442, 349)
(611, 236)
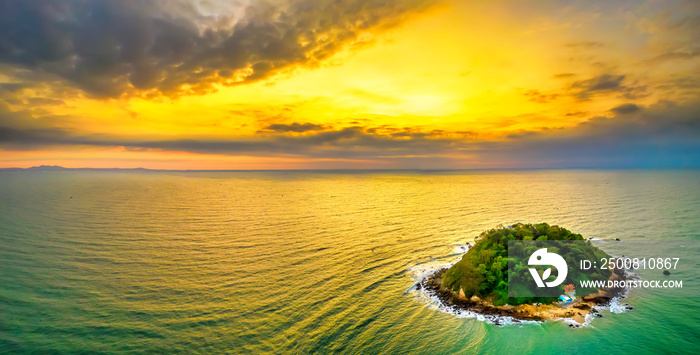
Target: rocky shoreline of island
(577, 314)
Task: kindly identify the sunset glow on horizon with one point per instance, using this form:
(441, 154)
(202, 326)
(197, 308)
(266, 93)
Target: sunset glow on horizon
(299, 84)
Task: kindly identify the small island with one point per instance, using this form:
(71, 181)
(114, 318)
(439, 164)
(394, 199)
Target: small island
(478, 283)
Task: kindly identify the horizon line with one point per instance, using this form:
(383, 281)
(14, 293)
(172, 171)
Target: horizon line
(46, 168)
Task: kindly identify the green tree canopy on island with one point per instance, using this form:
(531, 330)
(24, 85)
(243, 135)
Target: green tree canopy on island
(483, 271)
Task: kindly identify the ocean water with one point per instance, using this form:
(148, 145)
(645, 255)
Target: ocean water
(309, 262)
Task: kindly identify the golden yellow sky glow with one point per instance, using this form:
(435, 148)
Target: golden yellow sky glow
(456, 84)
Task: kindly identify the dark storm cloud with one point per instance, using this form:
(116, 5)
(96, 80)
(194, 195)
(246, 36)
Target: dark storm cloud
(294, 127)
(108, 47)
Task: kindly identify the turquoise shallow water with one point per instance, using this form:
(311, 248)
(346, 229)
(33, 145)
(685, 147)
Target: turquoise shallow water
(299, 262)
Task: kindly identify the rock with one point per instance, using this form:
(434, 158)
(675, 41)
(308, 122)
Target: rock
(617, 239)
(666, 272)
(583, 306)
(597, 300)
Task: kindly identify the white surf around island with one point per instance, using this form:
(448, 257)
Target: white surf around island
(421, 271)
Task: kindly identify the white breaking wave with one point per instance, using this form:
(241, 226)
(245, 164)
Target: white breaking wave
(435, 303)
(422, 271)
(462, 248)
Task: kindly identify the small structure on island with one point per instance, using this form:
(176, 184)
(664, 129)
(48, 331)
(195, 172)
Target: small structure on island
(570, 291)
(568, 296)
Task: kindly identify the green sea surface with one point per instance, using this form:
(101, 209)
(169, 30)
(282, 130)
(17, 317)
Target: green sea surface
(309, 262)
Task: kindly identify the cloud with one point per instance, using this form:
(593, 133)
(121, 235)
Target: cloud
(606, 84)
(661, 135)
(349, 142)
(13, 87)
(28, 139)
(585, 44)
(675, 55)
(107, 48)
(536, 96)
(674, 37)
(294, 127)
(625, 109)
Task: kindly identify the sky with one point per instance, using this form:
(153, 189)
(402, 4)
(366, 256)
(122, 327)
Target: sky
(350, 84)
